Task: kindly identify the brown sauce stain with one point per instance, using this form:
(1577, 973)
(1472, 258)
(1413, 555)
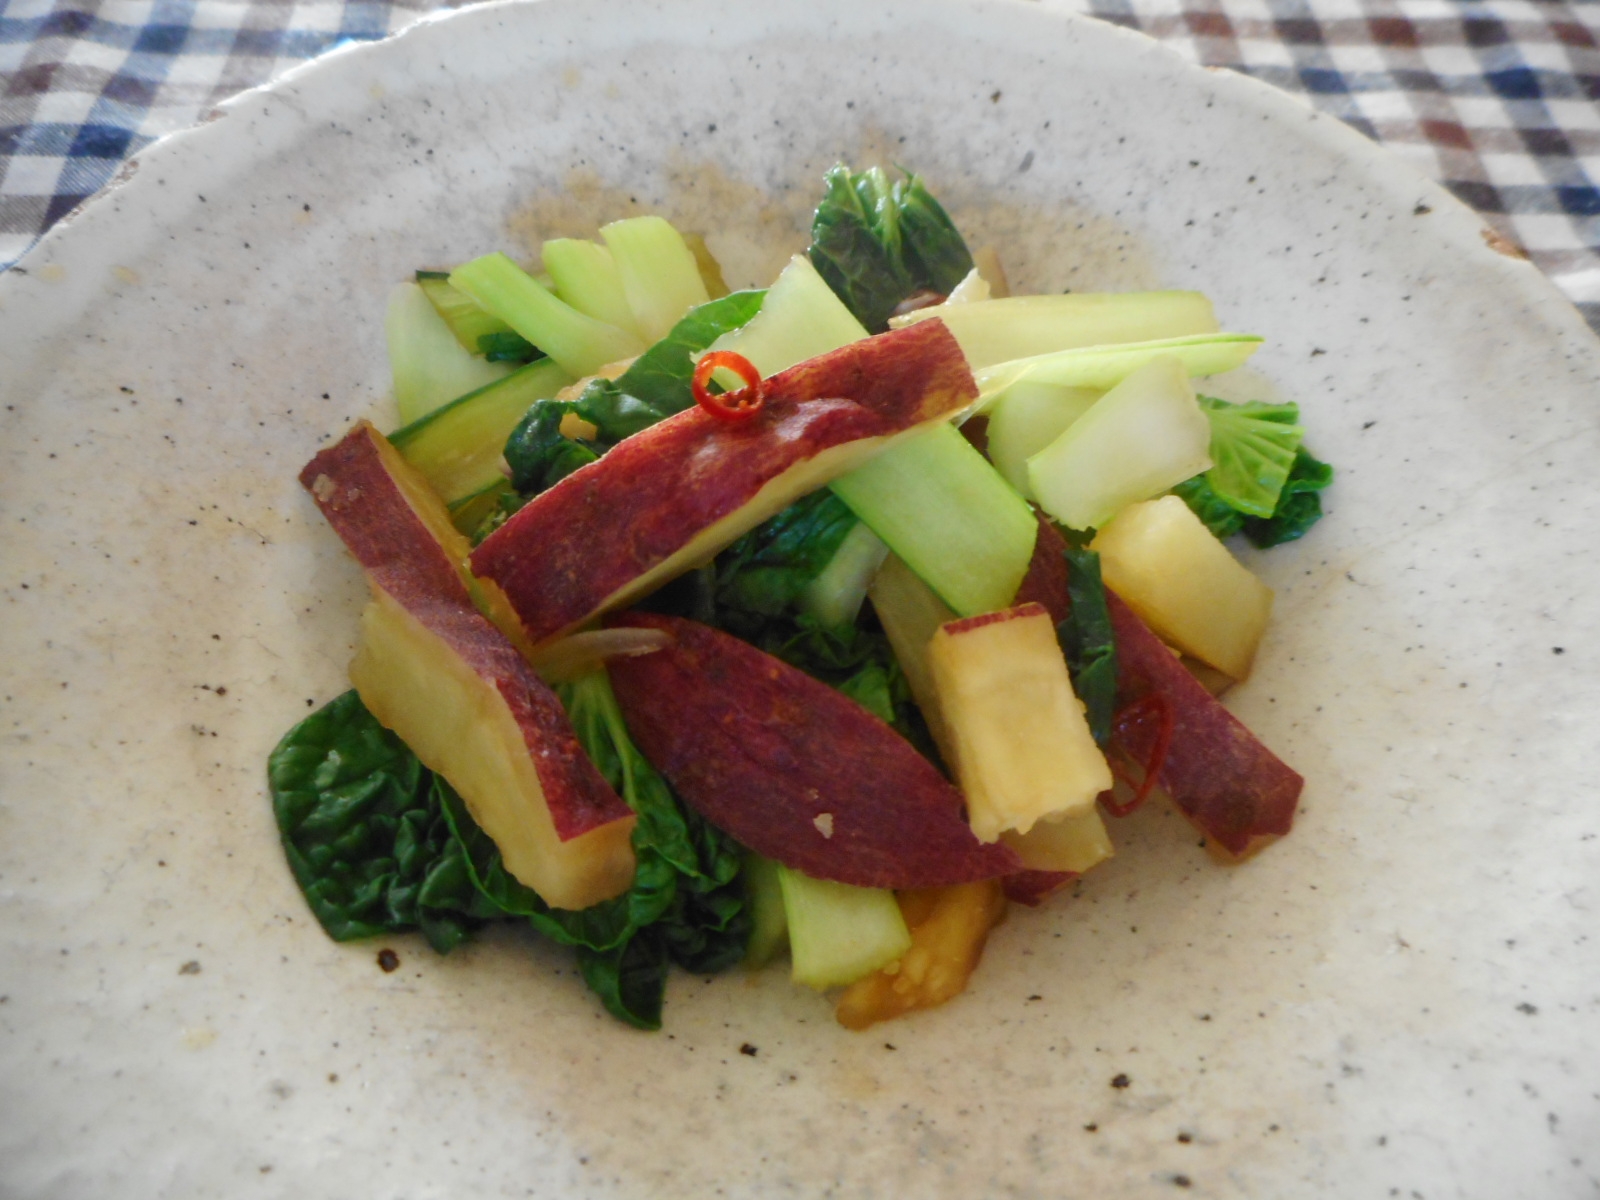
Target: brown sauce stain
(752, 230)
(1501, 244)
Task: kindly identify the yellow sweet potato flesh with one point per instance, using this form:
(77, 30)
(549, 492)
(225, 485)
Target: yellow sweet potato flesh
(948, 929)
(458, 725)
(1073, 843)
(1183, 583)
(1023, 751)
(431, 511)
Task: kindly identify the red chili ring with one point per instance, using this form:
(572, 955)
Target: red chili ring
(1146, 706)
(728, 406)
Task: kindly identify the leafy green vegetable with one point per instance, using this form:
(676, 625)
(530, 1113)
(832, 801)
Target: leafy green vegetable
(873, 687)
(507, 345)
(1264, 482)
(684, 903)
(686, 892)
(1252, 448)
(766, 570)
(364, 835)
(756, 581)
(1089, 643)
(479, 516)
(875, 243)
(630, 978)
(692, 594)
(936, 255)
(380, 844)
(657, 385)
(539, 454)
(708, 925)
(1219, 516)
(855, 245)
(660, 376)
(1299, 505)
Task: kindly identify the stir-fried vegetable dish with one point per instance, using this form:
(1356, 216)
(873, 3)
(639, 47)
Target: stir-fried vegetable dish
(825, 620)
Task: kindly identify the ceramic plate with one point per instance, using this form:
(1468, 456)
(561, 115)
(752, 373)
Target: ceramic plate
(1399, 999)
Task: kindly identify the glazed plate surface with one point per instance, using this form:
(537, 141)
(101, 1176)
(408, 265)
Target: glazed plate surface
(1404, 994)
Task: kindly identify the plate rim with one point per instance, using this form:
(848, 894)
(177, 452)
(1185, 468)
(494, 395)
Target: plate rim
(343, 63)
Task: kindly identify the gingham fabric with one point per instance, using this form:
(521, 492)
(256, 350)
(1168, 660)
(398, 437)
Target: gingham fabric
(86, 84)
(1497, 99)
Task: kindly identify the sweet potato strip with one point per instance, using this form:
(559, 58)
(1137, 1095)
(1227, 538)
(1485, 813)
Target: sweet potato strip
(948, 929)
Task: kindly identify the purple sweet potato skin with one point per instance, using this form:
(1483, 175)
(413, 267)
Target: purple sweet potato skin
(1046, 580)
(1235, 790)
(352, 485)
(791, 768)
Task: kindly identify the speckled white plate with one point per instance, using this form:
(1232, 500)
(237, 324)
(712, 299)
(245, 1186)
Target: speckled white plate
(1403, 998)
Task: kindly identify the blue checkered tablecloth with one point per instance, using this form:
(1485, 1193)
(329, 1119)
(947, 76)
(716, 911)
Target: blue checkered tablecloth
(87, 84)
(1497, 99)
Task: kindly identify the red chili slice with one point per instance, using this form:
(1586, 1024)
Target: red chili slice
(1148, 707)
(728, 406)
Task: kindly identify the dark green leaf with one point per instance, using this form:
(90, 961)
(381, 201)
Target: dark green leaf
(507, 345)
(685, 904)
(660, 377)
(848, 250)
(614, 413)
(630, 979)
(1245, 446)
(379, 844)
(506, 505)
(600, 926)
(1089, 643)
(709, 929)
(368, 845)
(659, 383)
(936, 255)
(765, 571)
(692, 594)
(875, 243)
(537, 452)
(872, 688)
(686, 888)
(830, 654)
(1219, 516)
(1299, 507)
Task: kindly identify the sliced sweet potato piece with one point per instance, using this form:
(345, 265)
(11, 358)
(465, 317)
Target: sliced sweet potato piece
(456, 690)
(1219, 774)
(669, 497)
(793, 769)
